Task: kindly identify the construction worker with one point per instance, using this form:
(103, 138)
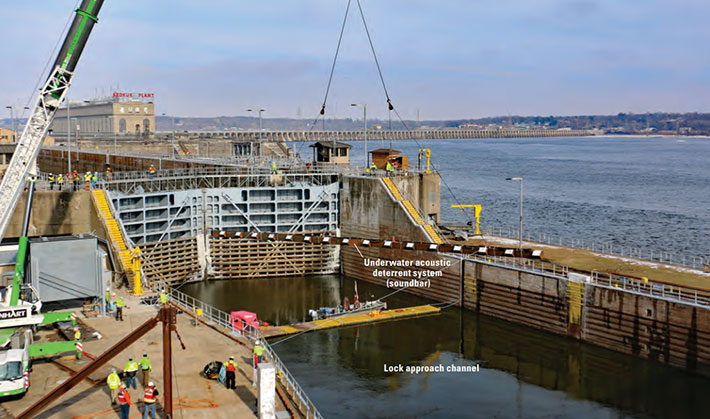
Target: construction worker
(108, 301)
(389, 168)
(274, 167)
(114, 382)
(150, 399)
(163, 297)
(258, 352)
(87, 180)
(119, 308)
(146, 369)
(94, 179)
(77, 180)
(129, 371)
(151, 171)
(77, 337)
(50, 179)
(108, 172)
(124, 400)
(60, 181)
(373, 168)
(231, 367)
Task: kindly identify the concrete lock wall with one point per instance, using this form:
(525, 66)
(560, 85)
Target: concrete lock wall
(54, 213)
(367, 211)
(651, 328)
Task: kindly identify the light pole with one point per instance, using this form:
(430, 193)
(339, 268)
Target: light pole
(113, 128)
(12, 122)
(260, 128)
(68, 135)
(520, 232)
(364, 119)
(76, 135)
(172, 139)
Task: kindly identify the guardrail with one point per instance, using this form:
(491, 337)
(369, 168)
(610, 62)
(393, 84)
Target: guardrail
(526, 265)
(697, 262)
(222, 319)
(642, 286)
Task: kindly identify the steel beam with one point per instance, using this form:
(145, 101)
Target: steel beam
(75, 379)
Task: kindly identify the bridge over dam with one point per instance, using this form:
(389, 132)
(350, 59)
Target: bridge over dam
(419, 134)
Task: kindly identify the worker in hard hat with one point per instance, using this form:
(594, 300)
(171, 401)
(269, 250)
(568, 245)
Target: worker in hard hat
(231, 367)
(119, 307)
(150, 400)
(129, 371)
(163, 296)
(258, 352)
(114, 382)
(146, 369)
(389, 168)
(124, 401)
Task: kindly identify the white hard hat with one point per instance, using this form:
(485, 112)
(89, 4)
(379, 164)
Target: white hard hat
(150, 384)
(123, 385)
(258, 342)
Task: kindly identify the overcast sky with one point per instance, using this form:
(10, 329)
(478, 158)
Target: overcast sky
(447, 59)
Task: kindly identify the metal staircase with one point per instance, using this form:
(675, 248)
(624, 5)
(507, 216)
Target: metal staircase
(414, 214)
(114, 231)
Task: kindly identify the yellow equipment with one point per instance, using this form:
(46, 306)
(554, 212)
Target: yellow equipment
(136, 262)
(476, 213)
(428, 158)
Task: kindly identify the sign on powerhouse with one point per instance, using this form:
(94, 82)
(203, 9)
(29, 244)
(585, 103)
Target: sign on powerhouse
(416, 277)
(416, 369)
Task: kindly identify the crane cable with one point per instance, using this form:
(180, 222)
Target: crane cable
(330, 78)
(390, 106)
(332, 68)
(377, 62)
(389, 101)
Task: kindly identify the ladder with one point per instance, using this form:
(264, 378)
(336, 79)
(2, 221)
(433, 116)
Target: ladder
(414, 214)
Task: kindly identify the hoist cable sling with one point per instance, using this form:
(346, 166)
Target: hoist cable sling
(332, 68)
(332, 71)
(389, 101)
(382, 79)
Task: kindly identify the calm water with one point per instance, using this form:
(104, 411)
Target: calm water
(524, 373)
(651, 193)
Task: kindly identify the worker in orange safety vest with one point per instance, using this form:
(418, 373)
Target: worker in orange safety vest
(150, 399)
(124, 400)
